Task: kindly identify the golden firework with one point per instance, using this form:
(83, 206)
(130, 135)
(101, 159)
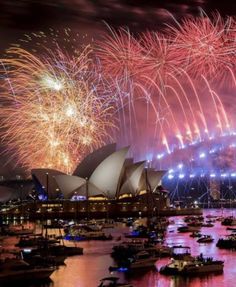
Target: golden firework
(55, 109)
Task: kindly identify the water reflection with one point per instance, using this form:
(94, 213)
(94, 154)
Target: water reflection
(87, 270)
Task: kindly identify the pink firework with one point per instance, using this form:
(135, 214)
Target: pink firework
(160, 56)
(203, 45)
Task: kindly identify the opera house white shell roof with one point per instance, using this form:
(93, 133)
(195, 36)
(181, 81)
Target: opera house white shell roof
(105, 172)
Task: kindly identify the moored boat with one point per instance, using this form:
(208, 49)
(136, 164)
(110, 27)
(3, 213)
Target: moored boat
(112, 282)
(188, 228)
(18, 231)
(228, 242)
(196, 234)
(192, 266)
(34, 240)
(79, 233)
(142, 260)
(229, 221)
(205, 239)
(16, 270)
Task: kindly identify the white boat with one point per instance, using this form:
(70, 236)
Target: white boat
(196, 267)
(185, 264)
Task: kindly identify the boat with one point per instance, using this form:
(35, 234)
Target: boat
(17, 231)
(195, 223)
(108, 223)
(231, 229)
(229, 221)
(188, 228)
(211, 221)
(192, 218)
(43, 257)
(185, 264)
(66, 250)
(162, 250)
(195, 234)
(205, 239)
(35, 240)
(55, 254)
(128, 249)
(142, 260)
(181, 252)
(191, 268)
(17, 270)
(139, 232)
(209, 224)
(227, 243)
(112, 282)
(83, 232)
(211, 216)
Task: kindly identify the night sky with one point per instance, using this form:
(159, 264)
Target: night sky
(18, 17)
(22, 16)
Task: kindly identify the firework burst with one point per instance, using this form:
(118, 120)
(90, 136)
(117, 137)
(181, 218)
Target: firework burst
(120, 55)
(159, 57)
(203, 45)
(54, 108)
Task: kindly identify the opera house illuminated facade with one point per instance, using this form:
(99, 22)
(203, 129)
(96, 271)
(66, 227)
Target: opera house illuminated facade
(105, 182)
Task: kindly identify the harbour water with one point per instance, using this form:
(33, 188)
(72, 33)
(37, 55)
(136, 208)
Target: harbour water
(88, 269)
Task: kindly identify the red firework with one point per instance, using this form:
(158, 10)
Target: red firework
(120, 55)
(203, 45)
(160, 56)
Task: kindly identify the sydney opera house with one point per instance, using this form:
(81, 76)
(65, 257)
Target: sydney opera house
(106, 182)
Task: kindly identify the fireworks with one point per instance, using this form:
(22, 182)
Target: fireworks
(204, 46)
(53, 110)
(177, 73)
(167, 90)
(159, 57)
(120, 55)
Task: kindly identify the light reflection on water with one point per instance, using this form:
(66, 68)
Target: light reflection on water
(87, 270)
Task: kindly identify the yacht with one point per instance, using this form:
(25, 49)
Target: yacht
(17, 231)
(17, 270)
(188, 228)
(196, 234)
(112, 282)
(185, 264)
(229, 221)
(55, 253)
(35, 240)
(227, 243)
(141, 260)
(208, 224)
(192, 218)
(86, 233)
(195, 223)
(205, 239)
